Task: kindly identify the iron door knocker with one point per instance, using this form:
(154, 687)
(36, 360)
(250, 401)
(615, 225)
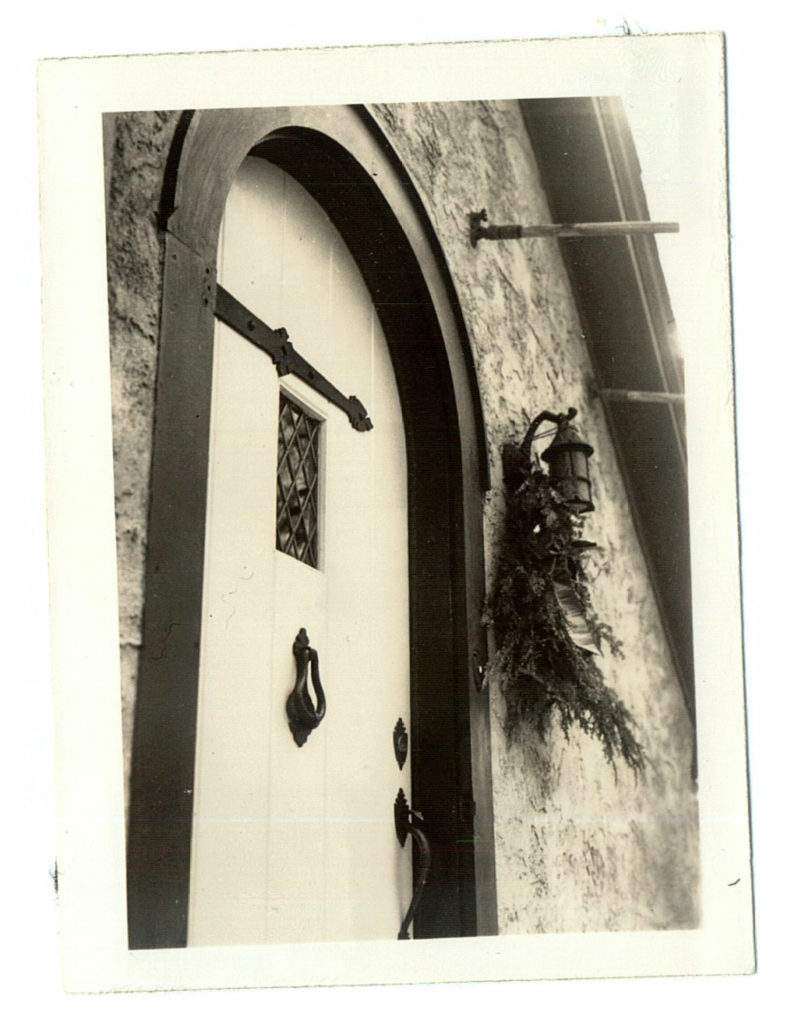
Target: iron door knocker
(302, 714)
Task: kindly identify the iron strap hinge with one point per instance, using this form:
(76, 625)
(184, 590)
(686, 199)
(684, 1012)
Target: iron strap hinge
(276, 344)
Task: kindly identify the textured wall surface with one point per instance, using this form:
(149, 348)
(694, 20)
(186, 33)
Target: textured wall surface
(578, 846)
(136, 146)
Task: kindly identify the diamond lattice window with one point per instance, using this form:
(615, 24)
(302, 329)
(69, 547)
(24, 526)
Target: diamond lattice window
(297, 483)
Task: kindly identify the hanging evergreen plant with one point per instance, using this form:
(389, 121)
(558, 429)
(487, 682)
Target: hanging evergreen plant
(539, 605)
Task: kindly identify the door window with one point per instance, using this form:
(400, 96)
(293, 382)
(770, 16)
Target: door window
(297, 477)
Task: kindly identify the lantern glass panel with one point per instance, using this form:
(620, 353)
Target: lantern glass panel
(568, 472)
(558, 465)
(579, 463)
(579, 499)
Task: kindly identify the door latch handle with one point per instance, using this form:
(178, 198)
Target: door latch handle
(405, 825)
(302, 714)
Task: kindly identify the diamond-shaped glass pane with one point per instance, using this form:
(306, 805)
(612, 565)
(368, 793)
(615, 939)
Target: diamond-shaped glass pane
(297, 483)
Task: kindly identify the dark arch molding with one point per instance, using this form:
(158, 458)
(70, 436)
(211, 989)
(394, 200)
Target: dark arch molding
(196, 188)
(340, 157)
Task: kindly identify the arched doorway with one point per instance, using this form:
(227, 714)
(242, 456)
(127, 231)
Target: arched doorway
(306, 529)
(340, 161)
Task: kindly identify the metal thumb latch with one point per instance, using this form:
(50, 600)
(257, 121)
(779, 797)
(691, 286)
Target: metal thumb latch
(405, 825)
(302, 714)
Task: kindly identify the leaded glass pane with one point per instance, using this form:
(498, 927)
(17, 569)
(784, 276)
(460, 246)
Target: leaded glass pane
(297, 483)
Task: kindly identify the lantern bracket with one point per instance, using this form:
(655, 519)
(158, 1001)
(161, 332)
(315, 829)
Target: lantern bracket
(544, 417)
(567, 457)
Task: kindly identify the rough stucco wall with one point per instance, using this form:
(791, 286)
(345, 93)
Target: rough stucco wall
(136, 149)
(577, 846)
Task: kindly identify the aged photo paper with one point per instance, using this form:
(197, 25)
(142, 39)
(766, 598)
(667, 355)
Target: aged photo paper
(458, 214)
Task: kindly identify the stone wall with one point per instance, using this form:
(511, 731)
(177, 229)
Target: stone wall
(578, 846)
(136, 147)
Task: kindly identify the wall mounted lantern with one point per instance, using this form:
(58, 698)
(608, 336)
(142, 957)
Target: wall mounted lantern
(567, 458)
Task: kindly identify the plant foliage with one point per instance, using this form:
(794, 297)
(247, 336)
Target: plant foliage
(544, 670)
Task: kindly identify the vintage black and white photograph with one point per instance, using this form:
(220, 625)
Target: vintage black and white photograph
(413, 398)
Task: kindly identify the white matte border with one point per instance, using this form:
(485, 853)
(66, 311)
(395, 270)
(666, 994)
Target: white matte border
(73, 94)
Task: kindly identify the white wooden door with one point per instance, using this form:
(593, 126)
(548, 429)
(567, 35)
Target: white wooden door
(298, 843)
